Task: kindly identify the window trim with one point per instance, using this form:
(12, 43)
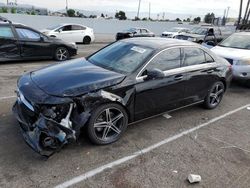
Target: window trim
(182, 69)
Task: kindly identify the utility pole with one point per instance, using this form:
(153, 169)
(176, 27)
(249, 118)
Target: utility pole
(7, 2)
(149, 11)
(139, 9)
(228, 13)
(246, 12)
(67, 6)
(239, 18)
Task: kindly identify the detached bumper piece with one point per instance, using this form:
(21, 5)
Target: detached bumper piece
(43, 135)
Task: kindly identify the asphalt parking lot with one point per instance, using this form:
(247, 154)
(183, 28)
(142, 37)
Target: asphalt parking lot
(159, 152)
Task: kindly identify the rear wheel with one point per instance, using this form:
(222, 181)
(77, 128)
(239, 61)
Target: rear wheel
(107, 124)
(215, 95)
(61, 54)
(86, 40)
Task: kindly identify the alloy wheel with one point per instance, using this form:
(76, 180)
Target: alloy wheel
(216, 94)
(62, 54)
(109, 124)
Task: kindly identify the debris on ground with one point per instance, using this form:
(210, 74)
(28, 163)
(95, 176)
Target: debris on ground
(167, 116)
(193, 178)
(248, 108)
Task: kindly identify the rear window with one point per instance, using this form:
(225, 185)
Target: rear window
(6, 32)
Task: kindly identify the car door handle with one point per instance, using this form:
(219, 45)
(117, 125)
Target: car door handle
(178, 77)
(210, 71)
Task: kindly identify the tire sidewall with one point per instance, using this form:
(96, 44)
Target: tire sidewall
(95, 113)
(86, 40)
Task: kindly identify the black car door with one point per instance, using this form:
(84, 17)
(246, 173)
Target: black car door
(33, 44)
(201, 73)
(154, 96)
(9, 48)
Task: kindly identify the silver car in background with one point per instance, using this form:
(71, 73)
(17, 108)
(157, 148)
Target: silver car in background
(236, 50)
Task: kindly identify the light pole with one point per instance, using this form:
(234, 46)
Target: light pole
(66, 5)
(139, 9)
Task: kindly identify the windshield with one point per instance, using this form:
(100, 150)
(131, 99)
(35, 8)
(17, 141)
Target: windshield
(237, 41)
(54, 27)
(121, 57)
(199, 31)
(130, 30)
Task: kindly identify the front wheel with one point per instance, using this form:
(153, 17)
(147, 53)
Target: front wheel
(107, 124)
(214, 96)
(61, 54)
(86, 40)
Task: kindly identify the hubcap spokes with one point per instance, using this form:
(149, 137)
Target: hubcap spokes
(62, 54)
(110, 124)
(215, 95)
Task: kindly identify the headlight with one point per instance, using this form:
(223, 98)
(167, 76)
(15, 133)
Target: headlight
(73, 45)
(241, 62)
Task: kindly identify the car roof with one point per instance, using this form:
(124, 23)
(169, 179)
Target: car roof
(64, 24)
(158, 42)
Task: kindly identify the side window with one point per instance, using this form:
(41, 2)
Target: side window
(144, 31)
(193, 56)
(6, 32)
(28, 34)
(67, 28)
(167, 60)
(77, 27)
(209, 59)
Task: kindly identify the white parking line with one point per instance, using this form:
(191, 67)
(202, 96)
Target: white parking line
(9, 97)
(100, 169)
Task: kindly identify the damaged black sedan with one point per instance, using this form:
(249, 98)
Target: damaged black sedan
(125, 82)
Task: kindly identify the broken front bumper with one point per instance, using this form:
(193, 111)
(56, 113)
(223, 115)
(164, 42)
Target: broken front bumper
(43, 135)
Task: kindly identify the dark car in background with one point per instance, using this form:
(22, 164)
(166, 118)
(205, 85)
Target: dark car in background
(19, 42)
(202, 34)
(134, 32)
(125, 82)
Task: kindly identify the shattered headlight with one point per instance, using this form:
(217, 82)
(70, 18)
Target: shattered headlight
(55, 112)
(241, 62)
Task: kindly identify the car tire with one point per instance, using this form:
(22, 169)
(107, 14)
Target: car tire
(247, 83)
(61, 54)
(214, 95)
(86, 40)
(107, 124)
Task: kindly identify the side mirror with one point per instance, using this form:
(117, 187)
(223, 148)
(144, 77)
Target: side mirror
(154, 74)
(210, 43)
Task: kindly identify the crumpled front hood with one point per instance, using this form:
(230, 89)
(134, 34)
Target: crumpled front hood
(74, 78)
(231, 53)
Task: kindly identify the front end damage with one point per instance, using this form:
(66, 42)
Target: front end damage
(46, 128)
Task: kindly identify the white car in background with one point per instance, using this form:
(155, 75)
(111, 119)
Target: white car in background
(174, 31)
(71, 33)
(236, 50)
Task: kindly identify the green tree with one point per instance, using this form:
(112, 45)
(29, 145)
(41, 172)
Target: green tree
(4, 10)
(13, 10)
(71, 12)
(209, 17)
(102, 15)
(188, 20)
(33, 12)
(120, 15)
(178, 19)
(197, 20)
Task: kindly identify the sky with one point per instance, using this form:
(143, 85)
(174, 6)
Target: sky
(187, 7)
